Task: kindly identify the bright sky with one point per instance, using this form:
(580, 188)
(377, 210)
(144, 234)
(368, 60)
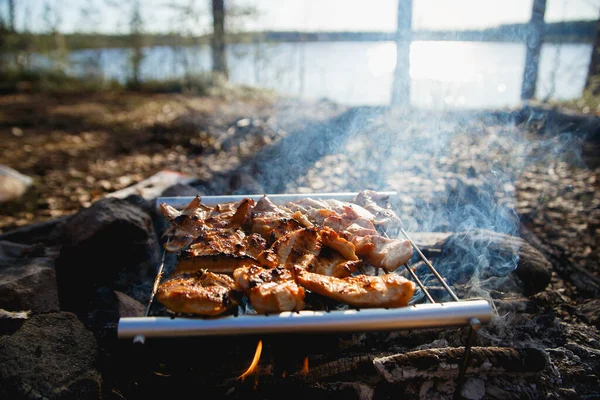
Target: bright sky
(110, 16)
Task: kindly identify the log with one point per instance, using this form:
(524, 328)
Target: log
(587, 283)
(444, 363)
(503, 252)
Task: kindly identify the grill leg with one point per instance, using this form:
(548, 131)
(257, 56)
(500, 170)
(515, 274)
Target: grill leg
(474, 325)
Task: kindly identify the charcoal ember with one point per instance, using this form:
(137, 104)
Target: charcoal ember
(110, 244)
(27, 280)
(50, 356)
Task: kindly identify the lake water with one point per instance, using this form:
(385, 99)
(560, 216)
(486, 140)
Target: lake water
(443, 74)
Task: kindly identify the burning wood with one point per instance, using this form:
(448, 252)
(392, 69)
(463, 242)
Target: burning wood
(444, 363)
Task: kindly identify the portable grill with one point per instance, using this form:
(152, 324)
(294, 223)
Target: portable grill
(455, 313)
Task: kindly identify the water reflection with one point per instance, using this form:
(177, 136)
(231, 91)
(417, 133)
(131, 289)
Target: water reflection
(443, 74)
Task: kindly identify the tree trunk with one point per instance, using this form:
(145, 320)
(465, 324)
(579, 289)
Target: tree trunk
(535, 40)
(11, 15)
(592, 82)
(136, 37)
(401, 86)
(219, 57)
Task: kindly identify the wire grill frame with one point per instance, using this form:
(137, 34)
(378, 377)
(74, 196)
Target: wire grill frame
(457, 313)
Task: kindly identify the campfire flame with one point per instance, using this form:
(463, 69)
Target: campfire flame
(254, 362)
(304, 367)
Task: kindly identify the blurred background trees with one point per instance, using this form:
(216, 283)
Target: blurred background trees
(199, 43)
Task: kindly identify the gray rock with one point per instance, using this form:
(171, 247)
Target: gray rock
(111, 243)
(27, 279)
(28, 284)
(129, 307)
(11, 321)
(51, 355)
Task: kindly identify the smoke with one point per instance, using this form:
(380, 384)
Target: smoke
(453, 172)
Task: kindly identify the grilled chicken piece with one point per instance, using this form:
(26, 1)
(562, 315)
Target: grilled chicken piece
(330, 238)
(222, 263)
(315, 211)
(202, 293)
(272, 222)
(350, 227)
(382, 252)
(331, 263)
(298, 248)
(221, 251)
(187, 225)
(270, 290)
(389, 290)
(184, 226)
(243, 214)
(378, 205)
(222, 241)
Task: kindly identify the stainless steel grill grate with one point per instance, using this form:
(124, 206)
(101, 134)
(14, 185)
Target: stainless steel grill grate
(455, 313)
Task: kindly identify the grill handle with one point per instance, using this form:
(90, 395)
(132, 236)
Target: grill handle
(420, 316)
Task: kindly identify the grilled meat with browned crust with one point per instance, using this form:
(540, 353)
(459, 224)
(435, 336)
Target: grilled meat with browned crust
(330, 238)
(195, 218)
(298, 248)
(270, 290)
(389, 290)
(221, 251)
(202, 293)
(382, 252)
(331, 263)
(272, 222)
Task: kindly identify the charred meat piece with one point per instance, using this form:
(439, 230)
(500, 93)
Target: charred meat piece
(254, 244)
(298, 248)
(221, 251)
(221, 263)
(218, 241)
(389, 290)
(382, 252)
(202, 293)
(184, 226)
(187, 225)
(331, 263)
(270, 290)
(243, 215)
(272, 222)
